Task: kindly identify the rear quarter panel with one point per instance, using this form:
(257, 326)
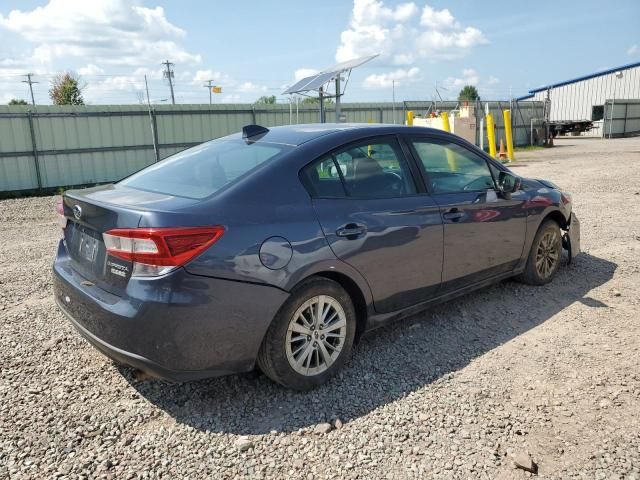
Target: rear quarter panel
(270, 203)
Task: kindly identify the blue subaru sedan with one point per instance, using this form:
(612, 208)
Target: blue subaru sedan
(279, 247)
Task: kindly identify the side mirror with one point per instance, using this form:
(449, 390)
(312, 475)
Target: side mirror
(508, 184)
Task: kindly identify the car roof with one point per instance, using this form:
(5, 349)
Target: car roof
(298, 134)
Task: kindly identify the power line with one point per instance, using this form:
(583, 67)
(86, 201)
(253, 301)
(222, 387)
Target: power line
(169, 75)
(30, 82)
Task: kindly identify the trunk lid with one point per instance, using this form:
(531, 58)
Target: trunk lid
(94, 211)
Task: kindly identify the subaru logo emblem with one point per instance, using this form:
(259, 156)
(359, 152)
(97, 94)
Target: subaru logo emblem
(77, 212)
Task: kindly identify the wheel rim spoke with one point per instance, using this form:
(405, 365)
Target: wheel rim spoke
(305, 321)
(326, 357)
(304, 355)
(300, 348)
(334, 326)
(296, 327)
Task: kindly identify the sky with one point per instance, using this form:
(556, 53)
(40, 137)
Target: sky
(253, 48)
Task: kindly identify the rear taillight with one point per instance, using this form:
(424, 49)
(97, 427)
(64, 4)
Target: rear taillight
(62, 220)
(156, 251)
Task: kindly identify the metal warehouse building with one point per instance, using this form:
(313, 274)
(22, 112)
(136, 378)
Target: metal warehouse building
(611, 98)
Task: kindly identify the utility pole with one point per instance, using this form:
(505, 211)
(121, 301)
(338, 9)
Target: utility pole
(209, 86)
(393, 105)
(547, 116)
(168, 74)
(30, 82)
(338, 99)
(151, 121)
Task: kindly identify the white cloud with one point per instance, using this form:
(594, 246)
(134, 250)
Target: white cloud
(6, 98)
(202, 76)
(469, 77)
(438, 19)
(109, 32)
(227, 82)
(101, 37)
(304, 72)
(90, 69)
(405, 33)
(385, 80)
(250, 87)
(634, 50)
(493, 80)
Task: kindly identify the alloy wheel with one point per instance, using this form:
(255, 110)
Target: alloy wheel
(548, 254)
(316, 335)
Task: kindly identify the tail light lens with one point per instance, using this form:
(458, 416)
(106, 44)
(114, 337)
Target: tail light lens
(156, 251)
(62, 220)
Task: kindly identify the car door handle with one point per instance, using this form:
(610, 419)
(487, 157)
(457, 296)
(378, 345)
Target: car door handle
(351, 231)
(453, 215)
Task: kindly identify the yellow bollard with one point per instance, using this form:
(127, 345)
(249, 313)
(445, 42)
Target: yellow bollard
(410, 118)
(491, 135)
(451, 155)
(509, 134)
(445, 122)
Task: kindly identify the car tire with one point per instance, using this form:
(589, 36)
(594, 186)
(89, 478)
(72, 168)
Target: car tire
(301, 351)
(544, 257)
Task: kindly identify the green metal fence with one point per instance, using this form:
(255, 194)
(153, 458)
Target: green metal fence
(46, 147)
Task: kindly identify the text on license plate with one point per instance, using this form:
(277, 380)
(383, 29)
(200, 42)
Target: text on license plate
(87, 247)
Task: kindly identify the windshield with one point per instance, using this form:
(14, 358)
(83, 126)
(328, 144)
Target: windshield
(202, 170)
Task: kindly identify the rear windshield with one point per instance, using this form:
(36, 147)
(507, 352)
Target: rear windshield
(202, 170)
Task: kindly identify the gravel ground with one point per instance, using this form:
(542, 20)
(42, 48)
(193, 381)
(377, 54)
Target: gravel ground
(509, 374)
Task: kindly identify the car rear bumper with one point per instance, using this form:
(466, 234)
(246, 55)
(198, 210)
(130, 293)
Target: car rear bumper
(179, 326)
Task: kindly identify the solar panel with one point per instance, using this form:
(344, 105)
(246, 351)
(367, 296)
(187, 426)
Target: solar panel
(299, 86)
(349, 64)
(314, 82)
(320, 80)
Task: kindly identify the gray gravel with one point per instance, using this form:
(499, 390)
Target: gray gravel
(506, 378)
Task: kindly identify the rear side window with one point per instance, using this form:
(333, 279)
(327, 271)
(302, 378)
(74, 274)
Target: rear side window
(202, 170)
(372, 169)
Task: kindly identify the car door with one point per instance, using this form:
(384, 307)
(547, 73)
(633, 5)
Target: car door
(379, 220)
(484, 233)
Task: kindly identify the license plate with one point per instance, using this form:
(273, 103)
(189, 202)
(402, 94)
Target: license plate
(87, 247)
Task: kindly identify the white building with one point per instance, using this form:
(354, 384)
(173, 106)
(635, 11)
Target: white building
(590, 98)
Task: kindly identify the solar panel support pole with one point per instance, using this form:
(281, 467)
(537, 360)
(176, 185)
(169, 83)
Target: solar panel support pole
(338, 99)
(321, 105)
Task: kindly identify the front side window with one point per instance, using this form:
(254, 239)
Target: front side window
(452, 168)
(371, 169)
(202, 170)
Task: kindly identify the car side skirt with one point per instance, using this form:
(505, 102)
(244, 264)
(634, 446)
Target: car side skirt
(379, 320)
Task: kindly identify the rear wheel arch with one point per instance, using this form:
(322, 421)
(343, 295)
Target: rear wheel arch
(357, 297)
(276, 357)
(353, 290)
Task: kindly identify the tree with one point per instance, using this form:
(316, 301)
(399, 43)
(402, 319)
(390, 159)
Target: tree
(266, 100)
(468, 94)
(17, 101)
(66, 90)
(316, 101)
